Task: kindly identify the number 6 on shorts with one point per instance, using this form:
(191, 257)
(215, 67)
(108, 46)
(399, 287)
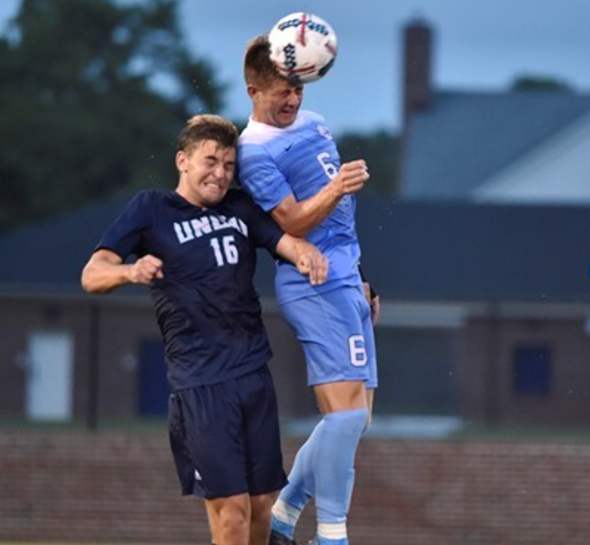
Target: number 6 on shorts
(356, 347)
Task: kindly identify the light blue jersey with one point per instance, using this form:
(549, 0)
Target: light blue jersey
(300, 160)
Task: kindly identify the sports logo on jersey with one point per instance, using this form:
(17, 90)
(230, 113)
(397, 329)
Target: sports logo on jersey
(198, 476)
(196, 228)
(325, 132)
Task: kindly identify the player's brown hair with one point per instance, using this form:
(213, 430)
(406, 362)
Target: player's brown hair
(258, 68)
(207, 127)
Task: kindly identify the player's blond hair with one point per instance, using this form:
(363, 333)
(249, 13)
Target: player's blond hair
(207, 127)
(259, 70)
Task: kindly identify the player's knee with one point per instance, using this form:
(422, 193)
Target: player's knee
(232, 526)
(351, 422)
(233, 520)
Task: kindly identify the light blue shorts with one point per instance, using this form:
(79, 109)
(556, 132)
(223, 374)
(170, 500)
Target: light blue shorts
(337, 336)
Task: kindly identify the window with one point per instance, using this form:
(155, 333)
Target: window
(532, 370)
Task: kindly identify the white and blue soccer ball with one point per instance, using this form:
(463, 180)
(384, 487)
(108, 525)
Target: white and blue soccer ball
(303, 47)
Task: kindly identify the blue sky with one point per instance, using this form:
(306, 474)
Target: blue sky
(479, 45)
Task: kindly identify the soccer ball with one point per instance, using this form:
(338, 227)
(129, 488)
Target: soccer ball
(302, 47)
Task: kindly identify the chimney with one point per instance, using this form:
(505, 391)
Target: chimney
(417, 61)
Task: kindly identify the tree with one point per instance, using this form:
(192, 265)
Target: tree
(381, 152)
(540, 83)
(92, 95)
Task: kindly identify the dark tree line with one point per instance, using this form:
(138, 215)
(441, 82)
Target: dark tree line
(84, 113)
(381, 151)
(80, 113)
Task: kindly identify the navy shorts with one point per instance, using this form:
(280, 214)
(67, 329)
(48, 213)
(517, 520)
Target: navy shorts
(225, 437)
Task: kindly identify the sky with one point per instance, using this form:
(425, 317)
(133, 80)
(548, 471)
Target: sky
(479, 45)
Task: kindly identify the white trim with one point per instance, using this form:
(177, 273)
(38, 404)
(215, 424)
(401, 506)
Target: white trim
(332, 530)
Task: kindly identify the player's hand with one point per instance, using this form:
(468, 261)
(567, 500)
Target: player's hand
(375, 309)
(352, 177)
(374, 303)
(314, 264)
(145, 270)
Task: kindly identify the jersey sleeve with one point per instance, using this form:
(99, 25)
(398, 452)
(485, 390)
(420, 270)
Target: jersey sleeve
(124, 236)
(260, 177)
(266, 232)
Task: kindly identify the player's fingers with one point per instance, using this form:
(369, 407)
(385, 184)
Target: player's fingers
(354, 186)
(151, 267)
(320, 272)
(375, 309)
(153, 261)
(354, 165)
(367, 291)
(304, 264)
(146, 271)
(138, 273)
(313, 266)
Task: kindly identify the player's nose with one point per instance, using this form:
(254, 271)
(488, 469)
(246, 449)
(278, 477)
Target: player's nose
(294, 99)
(219, 171)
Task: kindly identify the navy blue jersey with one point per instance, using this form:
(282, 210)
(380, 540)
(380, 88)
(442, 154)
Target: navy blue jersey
(206, 306)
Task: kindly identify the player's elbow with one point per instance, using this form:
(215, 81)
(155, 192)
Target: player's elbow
(296, 231)
(87, 285)
(290, 220)
(90, 283)
(292, 226)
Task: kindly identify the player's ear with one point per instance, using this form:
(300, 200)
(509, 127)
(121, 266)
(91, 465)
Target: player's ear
(180, 161)
(252, 90)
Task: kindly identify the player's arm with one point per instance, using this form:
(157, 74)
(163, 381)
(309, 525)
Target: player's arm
(305, 256)
(299, 217)
(106, 271)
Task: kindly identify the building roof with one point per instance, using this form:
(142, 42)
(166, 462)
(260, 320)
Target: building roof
(412, 251)
(478, 253)
(457, 252)
(48, 256)
(557, 171)
(463, 140)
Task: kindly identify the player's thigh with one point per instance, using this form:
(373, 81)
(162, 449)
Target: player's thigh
(331, 327)
(340, 396)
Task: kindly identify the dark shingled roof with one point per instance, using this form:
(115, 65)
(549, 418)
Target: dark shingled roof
(411, 251)
(49, 255)
(416, 251)
(477, 253)
(464, 138)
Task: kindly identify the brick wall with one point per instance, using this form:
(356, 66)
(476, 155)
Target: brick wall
(112, 487)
